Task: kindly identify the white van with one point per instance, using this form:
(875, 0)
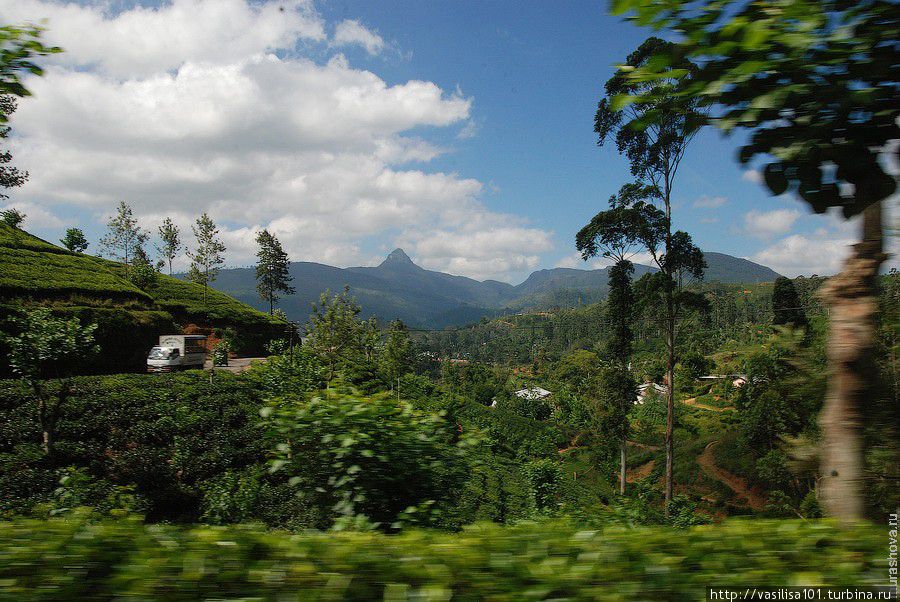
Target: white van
(177, 352)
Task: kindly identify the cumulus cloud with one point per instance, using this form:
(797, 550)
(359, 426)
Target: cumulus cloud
(351, 32)
(145, 41)
(800, 254)
(765, 224)
(824, 250)
(211, 105)
(707, 202)
(475, 242)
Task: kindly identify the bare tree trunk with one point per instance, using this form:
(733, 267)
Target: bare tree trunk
(852, 297)
(670, 409)
(622, 468)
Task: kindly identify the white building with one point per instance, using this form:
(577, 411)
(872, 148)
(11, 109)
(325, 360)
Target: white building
(646, 388)
(533, 393)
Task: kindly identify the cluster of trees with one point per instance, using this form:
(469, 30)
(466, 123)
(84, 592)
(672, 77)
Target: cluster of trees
(791, 75)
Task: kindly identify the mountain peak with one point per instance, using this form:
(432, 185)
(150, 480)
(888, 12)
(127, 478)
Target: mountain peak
(397, 257)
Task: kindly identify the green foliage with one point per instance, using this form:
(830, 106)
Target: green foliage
(793, 73)
(20, 45)
(206, 259)
(47, 346)
(683, 513)
(787, 309)
(220, 353)
(810, 507)
(78, 488)
(162, 435)
(544, 477)
(142, 273)
(397, 355)
(12, 217)
(124, 236)
(785, 389)
(615, 397)
(534, 409)
(375, 458)
(126, 559)
(477, 382)
(231, 497)
(292, 372)
(695, 365)
(272, 269)
(334, 330)
(773, 471)
(74, 240)
(169, 242)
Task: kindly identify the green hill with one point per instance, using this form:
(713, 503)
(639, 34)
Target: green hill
(34, 272)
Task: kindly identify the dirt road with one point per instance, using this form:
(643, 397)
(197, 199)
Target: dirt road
(706, 460)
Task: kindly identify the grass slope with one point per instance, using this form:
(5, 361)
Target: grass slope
(37, 269)
(34, 272)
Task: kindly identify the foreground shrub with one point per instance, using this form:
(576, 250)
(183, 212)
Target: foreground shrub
(374, 459)
(68, 560)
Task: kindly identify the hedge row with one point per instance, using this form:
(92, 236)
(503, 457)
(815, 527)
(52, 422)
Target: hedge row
(73, 559)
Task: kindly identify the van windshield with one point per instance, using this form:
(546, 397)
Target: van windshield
(159, 353)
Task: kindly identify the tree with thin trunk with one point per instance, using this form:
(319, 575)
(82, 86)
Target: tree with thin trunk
(655, 153)
(397, 355)
(74, 240)
(273, 274)
(169, 242)
(815, 85)
(207, 259)
(614, 234)
(47, 347)
(123, 236)
(334, 329)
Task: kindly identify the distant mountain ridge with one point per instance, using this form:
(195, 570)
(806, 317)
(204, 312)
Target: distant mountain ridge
(398, 288)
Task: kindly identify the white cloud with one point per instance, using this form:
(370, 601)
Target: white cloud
(477, 243)
(468, 131)
(351, 32)
(145, 41)
(799, 254)
(765, 224)
(707, 202)
(226, 115)
(824, 250)
(35, 215)
(752, 175)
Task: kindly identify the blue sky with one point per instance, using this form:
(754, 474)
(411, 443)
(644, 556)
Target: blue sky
(489, 176)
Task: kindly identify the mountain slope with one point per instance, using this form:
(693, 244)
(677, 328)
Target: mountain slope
(398, 288)
(395, 289)
(728, 269)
